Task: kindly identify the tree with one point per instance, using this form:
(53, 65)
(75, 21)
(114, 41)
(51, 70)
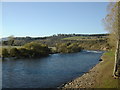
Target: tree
(112, 23)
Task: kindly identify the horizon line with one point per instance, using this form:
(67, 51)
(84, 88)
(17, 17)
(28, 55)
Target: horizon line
(54, 34)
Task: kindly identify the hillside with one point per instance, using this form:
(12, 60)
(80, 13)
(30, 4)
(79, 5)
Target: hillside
(85, 41)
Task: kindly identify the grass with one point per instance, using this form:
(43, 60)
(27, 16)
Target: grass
(110, 53)
(82, 38)
(105, 79)
(74, 38)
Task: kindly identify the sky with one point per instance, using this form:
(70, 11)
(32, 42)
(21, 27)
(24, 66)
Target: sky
(38, 19)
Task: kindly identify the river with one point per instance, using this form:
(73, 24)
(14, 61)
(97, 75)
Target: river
(47, 72)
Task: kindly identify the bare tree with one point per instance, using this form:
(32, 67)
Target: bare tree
(112, 23)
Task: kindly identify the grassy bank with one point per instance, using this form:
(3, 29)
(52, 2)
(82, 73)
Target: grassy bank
(104, 78)
(99, 76)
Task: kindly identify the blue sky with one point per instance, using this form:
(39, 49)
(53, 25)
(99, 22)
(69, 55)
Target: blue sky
(45, 19)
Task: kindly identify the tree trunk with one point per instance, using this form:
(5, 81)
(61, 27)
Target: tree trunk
(116, 71)
(119, 38)
(116, 61)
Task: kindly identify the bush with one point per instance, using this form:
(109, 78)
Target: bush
(5, 52)
(14, 52)
(29, 50)
(24, 53)
(37, 48)
(68, 48)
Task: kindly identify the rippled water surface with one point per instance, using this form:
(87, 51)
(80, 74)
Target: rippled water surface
(51, 71)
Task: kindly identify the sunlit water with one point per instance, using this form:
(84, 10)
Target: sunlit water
(48, 72)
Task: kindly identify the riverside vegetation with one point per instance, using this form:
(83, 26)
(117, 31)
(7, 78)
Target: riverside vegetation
(36, 50)
(28, 47)
(29, 50)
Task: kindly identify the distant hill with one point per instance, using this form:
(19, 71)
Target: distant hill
(59, 38)
(3, 39)
(86, 41)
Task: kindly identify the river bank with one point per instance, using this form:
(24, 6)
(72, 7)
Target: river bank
(99, 76)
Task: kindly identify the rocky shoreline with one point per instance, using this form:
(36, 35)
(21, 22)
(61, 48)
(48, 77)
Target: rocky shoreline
(87, 80)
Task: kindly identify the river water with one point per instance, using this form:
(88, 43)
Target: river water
(47, 72)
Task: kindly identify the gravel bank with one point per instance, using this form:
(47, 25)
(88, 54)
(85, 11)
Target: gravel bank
(87, 80)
